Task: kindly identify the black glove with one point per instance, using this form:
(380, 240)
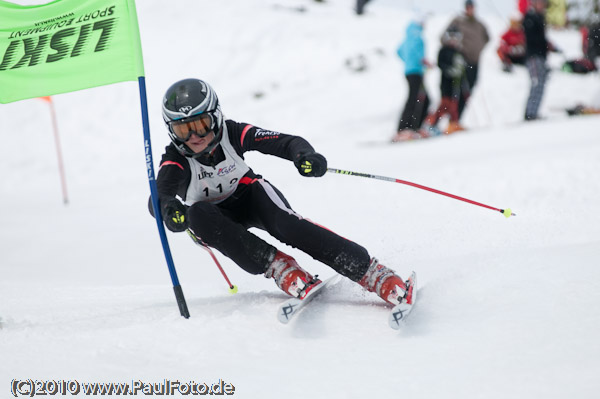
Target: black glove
(174, 215)
(311, 164)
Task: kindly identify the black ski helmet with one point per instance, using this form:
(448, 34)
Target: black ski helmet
(187, 99)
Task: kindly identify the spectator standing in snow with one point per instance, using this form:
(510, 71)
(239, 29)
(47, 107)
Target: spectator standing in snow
(412, 52)
(512, 45)
(452, 84)
(474, 38)
(537, 47)
(556, 13)
(360, 6)
(591, 38)
(206, 187)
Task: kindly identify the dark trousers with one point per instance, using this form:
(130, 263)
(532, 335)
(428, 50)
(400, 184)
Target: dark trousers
(360, 6)
(538, 72)
(471, 80)
(225, 226)
(417, 103)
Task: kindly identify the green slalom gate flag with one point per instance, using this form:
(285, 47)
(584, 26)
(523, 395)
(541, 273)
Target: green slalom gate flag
(67, 45)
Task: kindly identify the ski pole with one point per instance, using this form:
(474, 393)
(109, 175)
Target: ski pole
(232, 288)
(506, 212)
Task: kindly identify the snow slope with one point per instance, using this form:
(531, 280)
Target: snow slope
(508, 307)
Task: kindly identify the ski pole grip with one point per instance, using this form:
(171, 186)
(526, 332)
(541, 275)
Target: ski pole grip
(183, 309)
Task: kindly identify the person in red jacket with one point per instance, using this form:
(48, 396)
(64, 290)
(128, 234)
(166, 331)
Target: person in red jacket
(523, 6)
(512, 45)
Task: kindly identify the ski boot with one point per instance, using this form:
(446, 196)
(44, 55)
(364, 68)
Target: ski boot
(429, 130)
(405, 135)
(384, 282)
(290, 277)
(577, 110)
(454, 127)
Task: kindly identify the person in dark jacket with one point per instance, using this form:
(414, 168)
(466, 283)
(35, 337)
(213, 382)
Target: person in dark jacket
(537, 47)
(591, 38)
(206, 187)
(452, 84)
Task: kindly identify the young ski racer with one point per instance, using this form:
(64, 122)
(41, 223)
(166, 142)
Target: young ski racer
(206, 187)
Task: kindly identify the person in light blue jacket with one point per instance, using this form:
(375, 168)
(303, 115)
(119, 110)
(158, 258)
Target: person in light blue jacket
(412, 52)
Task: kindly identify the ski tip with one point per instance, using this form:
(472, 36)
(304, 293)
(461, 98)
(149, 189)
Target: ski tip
(398, 315)
(286, 311)
(412, 278)
(400, 312)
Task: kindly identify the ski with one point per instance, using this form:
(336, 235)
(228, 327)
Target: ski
(400, 312)
(292, 306)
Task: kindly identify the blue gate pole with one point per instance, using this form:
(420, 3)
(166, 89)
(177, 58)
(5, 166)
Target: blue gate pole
(183, 309)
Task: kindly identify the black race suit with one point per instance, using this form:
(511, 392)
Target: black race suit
(222, 222)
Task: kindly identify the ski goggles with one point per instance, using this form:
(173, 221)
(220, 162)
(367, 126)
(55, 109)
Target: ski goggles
(201, 125)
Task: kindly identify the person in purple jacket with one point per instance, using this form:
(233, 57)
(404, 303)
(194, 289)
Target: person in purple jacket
(206, 187)
(412, 52)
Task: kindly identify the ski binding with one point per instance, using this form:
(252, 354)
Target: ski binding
(292, 306)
